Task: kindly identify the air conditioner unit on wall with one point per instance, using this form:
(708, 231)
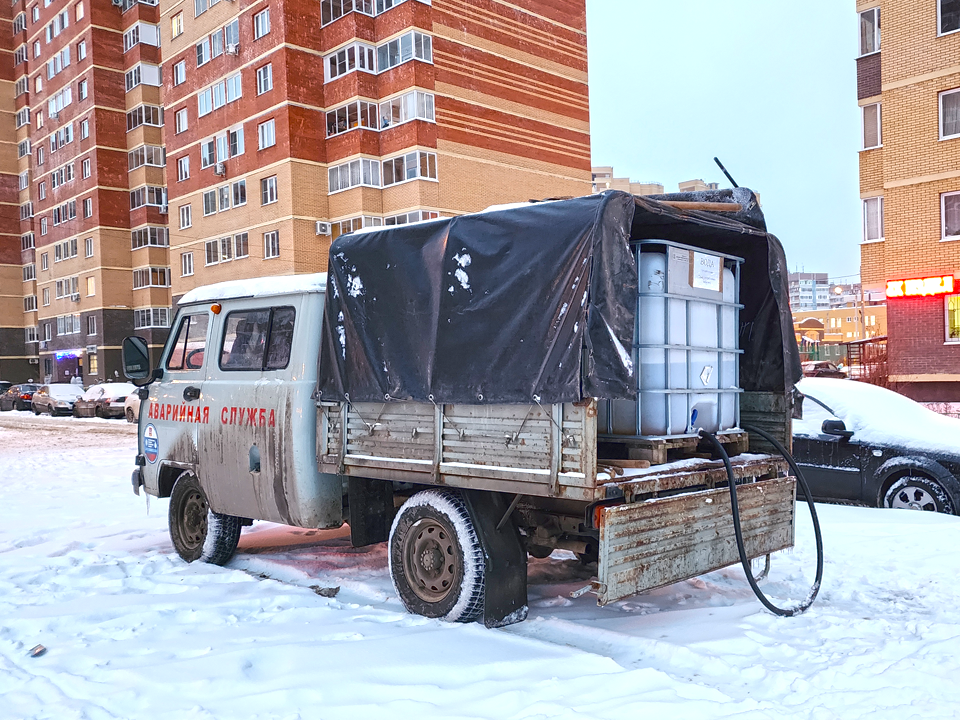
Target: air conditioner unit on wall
(33, 361)
(163, 209)
(220, 169)
(233, 49)
(323, 228)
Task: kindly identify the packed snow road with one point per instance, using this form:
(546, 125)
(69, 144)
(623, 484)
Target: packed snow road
(133, 632)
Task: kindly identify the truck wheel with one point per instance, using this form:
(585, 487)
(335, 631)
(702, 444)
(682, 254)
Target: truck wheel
(915, 492)
(436, 560)
(197, 532)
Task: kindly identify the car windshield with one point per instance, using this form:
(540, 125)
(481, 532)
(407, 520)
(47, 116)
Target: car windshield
(65, 392)
(882, 417)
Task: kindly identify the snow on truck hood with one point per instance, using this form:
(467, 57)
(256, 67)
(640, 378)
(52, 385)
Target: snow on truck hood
(257, 287)
(882, 417)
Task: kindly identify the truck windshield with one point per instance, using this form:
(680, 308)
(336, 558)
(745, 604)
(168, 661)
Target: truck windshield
(187, 350)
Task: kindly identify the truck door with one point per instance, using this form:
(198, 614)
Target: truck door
(175, 410)
(246, 458)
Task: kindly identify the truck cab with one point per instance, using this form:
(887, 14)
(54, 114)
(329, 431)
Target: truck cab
(230, 404)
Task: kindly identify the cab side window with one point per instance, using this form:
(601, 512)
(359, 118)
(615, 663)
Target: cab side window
(190, 344)
(257, 339)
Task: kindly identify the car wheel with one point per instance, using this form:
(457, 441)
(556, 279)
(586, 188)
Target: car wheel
(435, 557)
(98, 412)
(36, 410)
(197, 532)
(130, 417)
(916, 492)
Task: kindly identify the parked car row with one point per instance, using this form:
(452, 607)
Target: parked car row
(109, 400)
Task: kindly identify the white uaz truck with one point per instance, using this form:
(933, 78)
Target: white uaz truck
(472, 390)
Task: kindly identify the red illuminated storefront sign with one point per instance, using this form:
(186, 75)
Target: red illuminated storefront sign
(942, 285)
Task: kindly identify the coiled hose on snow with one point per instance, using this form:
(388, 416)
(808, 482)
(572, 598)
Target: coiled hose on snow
(744, 560)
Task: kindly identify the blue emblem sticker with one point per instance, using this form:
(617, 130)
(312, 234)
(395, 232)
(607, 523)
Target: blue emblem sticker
(151, 443)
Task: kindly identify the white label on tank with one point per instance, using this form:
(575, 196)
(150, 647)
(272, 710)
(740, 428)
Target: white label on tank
(707, 272)
(706, 374)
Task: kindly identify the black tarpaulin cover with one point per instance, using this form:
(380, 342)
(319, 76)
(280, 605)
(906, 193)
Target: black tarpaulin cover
(497, 307)
(490, 308)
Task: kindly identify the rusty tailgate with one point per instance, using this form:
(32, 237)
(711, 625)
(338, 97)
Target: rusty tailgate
(657, 542)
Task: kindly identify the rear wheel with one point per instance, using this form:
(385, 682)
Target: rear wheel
(197, 532)
(98, 412)
(916, 492)
(36, 410)
(436, 560)
(130, 417)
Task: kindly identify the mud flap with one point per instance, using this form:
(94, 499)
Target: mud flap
(650, 544)
(371, 510)
(505, 576)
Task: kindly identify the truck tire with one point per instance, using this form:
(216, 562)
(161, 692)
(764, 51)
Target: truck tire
(197, 532)
(436, 560)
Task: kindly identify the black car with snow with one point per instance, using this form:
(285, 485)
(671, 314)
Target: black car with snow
(865, 444)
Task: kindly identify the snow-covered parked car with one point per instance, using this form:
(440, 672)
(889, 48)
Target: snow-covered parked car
(56, 399)
(862, 443)
(103, 401)
(131, 407)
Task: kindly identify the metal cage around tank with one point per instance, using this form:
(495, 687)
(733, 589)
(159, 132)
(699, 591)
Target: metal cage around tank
(625, 419)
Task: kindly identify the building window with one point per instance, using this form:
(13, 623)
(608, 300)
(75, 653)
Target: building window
(82, 50)
(82, 90)
(271, 245)
(152, 155)
(176, 25)
(209, 202)
(948, 12)
(151, 277)
(30, 303)
(27, 242)
(29, 272)
(30, 334)
(180, 72)
(186, 264)
(239, 192)
(88, 247)
(411, 217)
(91, 287)
(410, 166)
(23, 116)
(950, 216)
(350, 58)
(950, 114)
(85, 168)
(24, 180)
(79, 11)
(266, 134)
(183, 168)
(84, 129)
(143, 74)
(234, 87)
(186, 216)
(356, 114)
(149, 237)
(268, 190)
(240, 246)
(413, 45)
(952, 311)
(152, 195)
(265, 79)
(353, 174)
(46, 297)
(870, 31)
(203, 52)
(199, 7)
(204, 102)
(261, 24)
(873, 219)
(88, 207)
(145, 115)
(151, 318)
(42, 192)
(180, 120)
(92, 330)
(23, 148)
(43, 226)
(212, 252)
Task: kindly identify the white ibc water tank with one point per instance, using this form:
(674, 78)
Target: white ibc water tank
(653, 362)
(729, 339)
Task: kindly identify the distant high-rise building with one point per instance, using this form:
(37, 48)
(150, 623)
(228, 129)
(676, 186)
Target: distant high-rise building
(697, 186)
(809, 291)
(603, 179)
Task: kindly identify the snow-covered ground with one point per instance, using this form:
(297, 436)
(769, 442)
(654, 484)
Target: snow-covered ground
(133, 632)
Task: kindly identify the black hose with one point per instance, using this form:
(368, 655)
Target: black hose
(735, 507)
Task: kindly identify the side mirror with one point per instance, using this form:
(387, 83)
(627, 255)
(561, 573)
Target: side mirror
(836, 428)
(136, 358)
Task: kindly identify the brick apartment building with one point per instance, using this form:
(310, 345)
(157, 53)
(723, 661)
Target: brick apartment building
(267, 129)
(83, 181)
(909, 93)
(359, 113)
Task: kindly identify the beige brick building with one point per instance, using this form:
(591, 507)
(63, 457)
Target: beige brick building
(909, 92)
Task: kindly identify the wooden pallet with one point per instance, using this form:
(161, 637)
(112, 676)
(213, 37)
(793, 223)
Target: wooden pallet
(662, 450)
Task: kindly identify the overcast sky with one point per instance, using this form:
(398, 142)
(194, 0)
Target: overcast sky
(769, 88)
